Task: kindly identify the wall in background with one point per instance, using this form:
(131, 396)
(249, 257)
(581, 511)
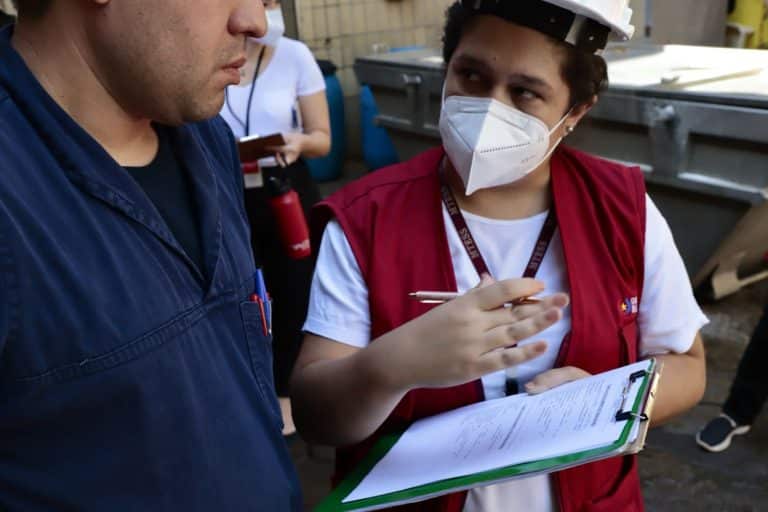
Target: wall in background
(696, 22)
(342, 30)
(289, 13)
(638, 16)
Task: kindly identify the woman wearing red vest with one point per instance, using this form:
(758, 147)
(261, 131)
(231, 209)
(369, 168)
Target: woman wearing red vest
(499, 200)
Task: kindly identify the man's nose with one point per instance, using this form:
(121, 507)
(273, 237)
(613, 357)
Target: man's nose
(249, 19)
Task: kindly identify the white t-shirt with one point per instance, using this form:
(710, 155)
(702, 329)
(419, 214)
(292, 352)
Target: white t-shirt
(668, 317)
(291, 74)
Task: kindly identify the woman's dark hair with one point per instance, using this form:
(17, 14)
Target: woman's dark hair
(586, 74)
(31, 8)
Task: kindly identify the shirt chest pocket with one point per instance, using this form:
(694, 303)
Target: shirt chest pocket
(259, 341)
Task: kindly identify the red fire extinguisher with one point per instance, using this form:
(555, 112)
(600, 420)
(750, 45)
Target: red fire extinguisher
(291, 222)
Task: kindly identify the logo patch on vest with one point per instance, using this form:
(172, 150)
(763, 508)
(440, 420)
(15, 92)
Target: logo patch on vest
(628, 306)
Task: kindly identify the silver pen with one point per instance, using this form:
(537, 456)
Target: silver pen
(428, 297)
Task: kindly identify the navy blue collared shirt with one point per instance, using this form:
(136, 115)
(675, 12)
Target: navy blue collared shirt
(131, 378)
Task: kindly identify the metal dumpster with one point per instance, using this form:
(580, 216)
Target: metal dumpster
(695, 119)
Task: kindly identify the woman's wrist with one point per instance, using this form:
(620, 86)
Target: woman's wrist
(315, 144)
(383, 372)
(301, 142)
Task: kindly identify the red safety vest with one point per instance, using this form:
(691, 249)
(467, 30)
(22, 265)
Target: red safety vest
(394, 223)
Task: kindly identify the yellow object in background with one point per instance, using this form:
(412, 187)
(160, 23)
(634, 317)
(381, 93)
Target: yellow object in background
(764, 31)
(751, 13)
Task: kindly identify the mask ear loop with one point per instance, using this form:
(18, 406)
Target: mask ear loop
(562, 120)
(554, 128)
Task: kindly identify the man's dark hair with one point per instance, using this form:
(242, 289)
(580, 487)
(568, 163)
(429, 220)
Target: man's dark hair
(31, 8)
(586, 74)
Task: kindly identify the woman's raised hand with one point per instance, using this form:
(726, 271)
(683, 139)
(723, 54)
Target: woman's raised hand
(470, 336)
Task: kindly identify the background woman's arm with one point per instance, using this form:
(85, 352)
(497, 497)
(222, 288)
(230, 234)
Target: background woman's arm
(315, 140)
(317, 125)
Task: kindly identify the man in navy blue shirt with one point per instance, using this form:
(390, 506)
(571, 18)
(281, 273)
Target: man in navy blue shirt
(135, 368)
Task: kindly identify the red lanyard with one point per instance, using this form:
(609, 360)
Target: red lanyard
(473, 251)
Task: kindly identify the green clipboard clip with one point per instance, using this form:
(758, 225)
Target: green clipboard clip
(649, 400)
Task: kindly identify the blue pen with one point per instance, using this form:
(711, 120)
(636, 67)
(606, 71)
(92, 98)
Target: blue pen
(268, 307)
(260, 289)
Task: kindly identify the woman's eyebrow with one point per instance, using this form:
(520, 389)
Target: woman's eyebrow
(518, 78)
(530, 81)
(469, 60)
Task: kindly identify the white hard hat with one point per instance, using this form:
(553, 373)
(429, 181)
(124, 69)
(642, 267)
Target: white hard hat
(615, 14)
(585, 24)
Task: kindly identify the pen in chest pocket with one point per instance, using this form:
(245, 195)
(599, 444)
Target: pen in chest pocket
(261, 297)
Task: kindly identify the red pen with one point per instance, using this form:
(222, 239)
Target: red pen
(264, 328)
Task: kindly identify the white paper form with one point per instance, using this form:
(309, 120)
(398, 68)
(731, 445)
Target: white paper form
(489, 435)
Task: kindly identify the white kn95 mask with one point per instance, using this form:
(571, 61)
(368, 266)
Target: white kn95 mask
(491, 144)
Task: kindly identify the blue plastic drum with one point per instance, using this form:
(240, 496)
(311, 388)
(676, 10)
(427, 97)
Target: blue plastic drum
(329, 167)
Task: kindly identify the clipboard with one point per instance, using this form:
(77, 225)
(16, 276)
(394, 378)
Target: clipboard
(637, 413)
(255, 147)
(649, 400)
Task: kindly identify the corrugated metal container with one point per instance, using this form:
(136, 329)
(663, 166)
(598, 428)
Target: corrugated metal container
(695, 119)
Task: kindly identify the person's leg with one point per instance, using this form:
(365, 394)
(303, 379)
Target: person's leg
(748, 394)
(263, 230)
(289, 282)
(749, 390)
